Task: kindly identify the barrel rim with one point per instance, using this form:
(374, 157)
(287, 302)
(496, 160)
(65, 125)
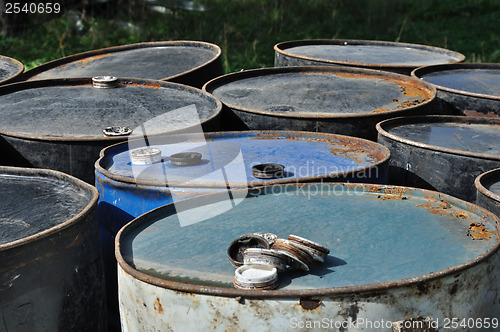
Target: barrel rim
(114, 49)
(84, 81)
(46, 173)
(215, 83)
(422, 71)
(383, 152)
(17, 74)
(282, 46)
(229, 292)
(394, 122)
(480, 180)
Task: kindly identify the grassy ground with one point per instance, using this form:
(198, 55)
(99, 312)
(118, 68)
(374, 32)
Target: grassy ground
(247, 30)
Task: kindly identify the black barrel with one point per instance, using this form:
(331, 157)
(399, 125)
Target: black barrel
(443, 153)
(339, 100)
(488, 191)
(51, 273)
(10, 69)
(187, 62)
(467, 88)
(63, 124)
(373, 54)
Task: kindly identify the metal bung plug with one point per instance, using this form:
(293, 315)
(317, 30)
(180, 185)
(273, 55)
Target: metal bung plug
(267, 257)
(186, 159)
(256, 277)
(104, 82)
(145, 156)
(317, 251)
(117, 131)
(268, 171)
(237, 247)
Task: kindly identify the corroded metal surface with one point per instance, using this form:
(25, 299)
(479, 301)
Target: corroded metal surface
(470, 88)
(128, 191)
(51, 274)
(488, 191)
(420, 261)
(347, 101)
(382, 55)
(442, 153)
(10, 69)
(58, 124)
(187, 62)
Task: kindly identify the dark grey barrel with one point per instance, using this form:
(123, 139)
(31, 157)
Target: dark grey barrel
(51, 273)
(466, 88)
(373, 54)
(339, 100)
(10, 69)
(58, 124)
(443, 153)
(488, 191)
(188, 62)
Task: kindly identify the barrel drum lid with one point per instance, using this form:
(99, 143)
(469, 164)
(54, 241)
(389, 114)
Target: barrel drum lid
(488, 191)
(45, 126)
(395, 57)
(186, 62)
(465, 88)
(10, 70)
(442, 153)
(341, 100)
(157, 289)
(51, 273)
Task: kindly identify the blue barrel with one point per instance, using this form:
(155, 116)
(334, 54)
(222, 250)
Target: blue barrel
(227, 163)
(396, 254)
(51, 272)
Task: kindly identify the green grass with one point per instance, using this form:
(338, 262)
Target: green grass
(247, 30)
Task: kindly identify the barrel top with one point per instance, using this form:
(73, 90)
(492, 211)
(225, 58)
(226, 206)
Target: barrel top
(36, 202)
(155, 60)
(481, 80)
(228, 157)
(73, 109)
(369, 53)
(9, 69)
(380, 236)
(320, 92)
(489, 183)
(476, 137)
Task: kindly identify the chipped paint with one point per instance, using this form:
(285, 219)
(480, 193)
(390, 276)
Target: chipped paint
(478, 231)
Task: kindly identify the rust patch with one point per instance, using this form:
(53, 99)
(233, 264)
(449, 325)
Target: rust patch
(492, 115)
(479, 232)
(411, 91)
(409, 103)
(86, 61)
(309, 304)
(157, 306)
(380, 110)
(460, 215)
(389, 197)
(349, 152)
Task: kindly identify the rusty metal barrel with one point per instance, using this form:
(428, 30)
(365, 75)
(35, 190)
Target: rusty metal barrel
(51, 273)
(443, 153)
(62, 124)
(227, 161)
(488, 191)
(187, 62)
(10, 69)
(372, 54)
(340, 100)
(467, 88)
(397, 255)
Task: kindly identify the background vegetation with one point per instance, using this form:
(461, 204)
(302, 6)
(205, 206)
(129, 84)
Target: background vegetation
(247, 30)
